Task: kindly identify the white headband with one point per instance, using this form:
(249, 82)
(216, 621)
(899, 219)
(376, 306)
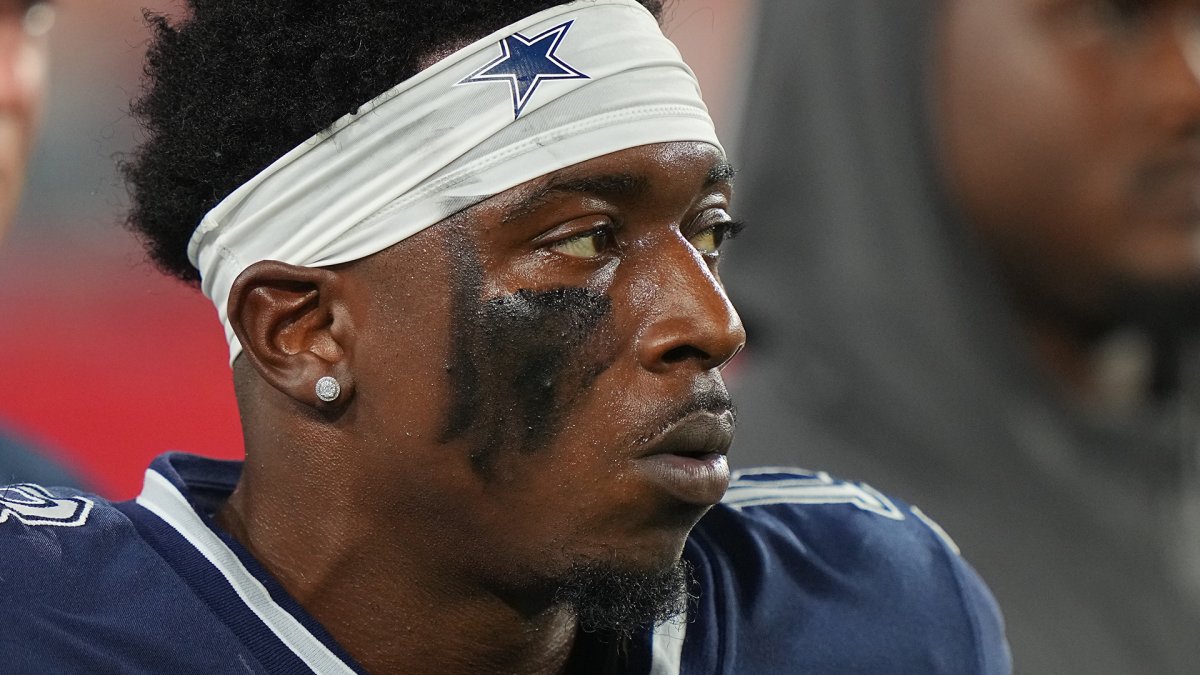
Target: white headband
(558, 88)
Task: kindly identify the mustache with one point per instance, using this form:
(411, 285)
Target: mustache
(713, 399)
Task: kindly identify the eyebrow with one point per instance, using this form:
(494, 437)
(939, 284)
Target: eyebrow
(611, 186)
(614, 185)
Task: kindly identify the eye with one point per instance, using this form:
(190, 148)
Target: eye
(585, 245)
(708, 241)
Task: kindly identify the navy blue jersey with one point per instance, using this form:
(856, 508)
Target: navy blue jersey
(797, 572)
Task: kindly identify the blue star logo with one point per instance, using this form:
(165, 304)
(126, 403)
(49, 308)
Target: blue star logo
(524, 63)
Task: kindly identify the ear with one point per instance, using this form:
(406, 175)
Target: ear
(294, 328)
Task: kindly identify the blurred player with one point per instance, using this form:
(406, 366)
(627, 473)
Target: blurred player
(980, 289)
(23, 63)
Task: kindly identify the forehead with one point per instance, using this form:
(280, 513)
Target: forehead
(680, 160)
(661, 173)
(639, 192)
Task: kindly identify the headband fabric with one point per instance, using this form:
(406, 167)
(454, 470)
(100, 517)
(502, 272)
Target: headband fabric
(563, 86)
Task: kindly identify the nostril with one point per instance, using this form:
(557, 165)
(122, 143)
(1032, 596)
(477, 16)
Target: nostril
(684, 353)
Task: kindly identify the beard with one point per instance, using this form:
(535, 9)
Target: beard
(608, 598)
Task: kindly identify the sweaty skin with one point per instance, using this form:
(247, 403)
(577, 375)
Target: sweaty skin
(589, 308)
(520, 361)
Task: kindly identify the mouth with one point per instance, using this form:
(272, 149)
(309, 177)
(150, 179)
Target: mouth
(688, 459)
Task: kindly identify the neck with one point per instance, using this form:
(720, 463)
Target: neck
(395, 606)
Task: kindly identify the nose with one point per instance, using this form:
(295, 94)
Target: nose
(689, 320)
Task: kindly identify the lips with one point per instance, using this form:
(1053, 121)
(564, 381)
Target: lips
(687, 460)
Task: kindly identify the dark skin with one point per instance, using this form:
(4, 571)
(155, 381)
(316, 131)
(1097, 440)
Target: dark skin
(540, 351)
(1070, 135)
(384, 526)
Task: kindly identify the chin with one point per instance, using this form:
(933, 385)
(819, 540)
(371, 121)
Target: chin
(616, 596)
(661, 538)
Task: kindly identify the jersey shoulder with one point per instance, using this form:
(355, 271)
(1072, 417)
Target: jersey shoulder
(803, 517)
(63, 545)
(43, 522)
(832, 514)
(84, 591)
(839, 570)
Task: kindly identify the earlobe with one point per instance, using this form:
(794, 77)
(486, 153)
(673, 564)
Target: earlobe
(293, 328)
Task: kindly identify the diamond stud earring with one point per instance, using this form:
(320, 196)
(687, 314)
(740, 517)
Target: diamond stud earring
(328, 389)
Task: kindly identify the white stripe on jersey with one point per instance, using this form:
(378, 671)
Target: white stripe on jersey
(937, 529)
(666, 646)
(161, 498)
(815, 488)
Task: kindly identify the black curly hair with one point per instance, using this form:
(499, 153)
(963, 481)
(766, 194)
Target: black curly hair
(238, 83)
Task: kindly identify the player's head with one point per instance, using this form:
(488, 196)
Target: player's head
(508, 263)
(1071, 130)
(275, 72)
(23, 25)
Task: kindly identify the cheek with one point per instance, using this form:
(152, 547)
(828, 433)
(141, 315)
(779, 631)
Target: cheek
(521, 363)
(1033, 136)
(402, 336)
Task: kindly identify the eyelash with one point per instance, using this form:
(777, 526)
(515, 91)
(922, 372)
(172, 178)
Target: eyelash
(605, 231)
(731, 229)
(722, 232)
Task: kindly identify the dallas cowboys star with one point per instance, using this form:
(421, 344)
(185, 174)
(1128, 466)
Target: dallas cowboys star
(525, 63)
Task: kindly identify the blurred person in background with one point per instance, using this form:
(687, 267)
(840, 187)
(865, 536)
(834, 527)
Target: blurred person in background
(23, 63)
(977, 285)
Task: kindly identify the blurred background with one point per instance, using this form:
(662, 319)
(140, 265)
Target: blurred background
(106, 362)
